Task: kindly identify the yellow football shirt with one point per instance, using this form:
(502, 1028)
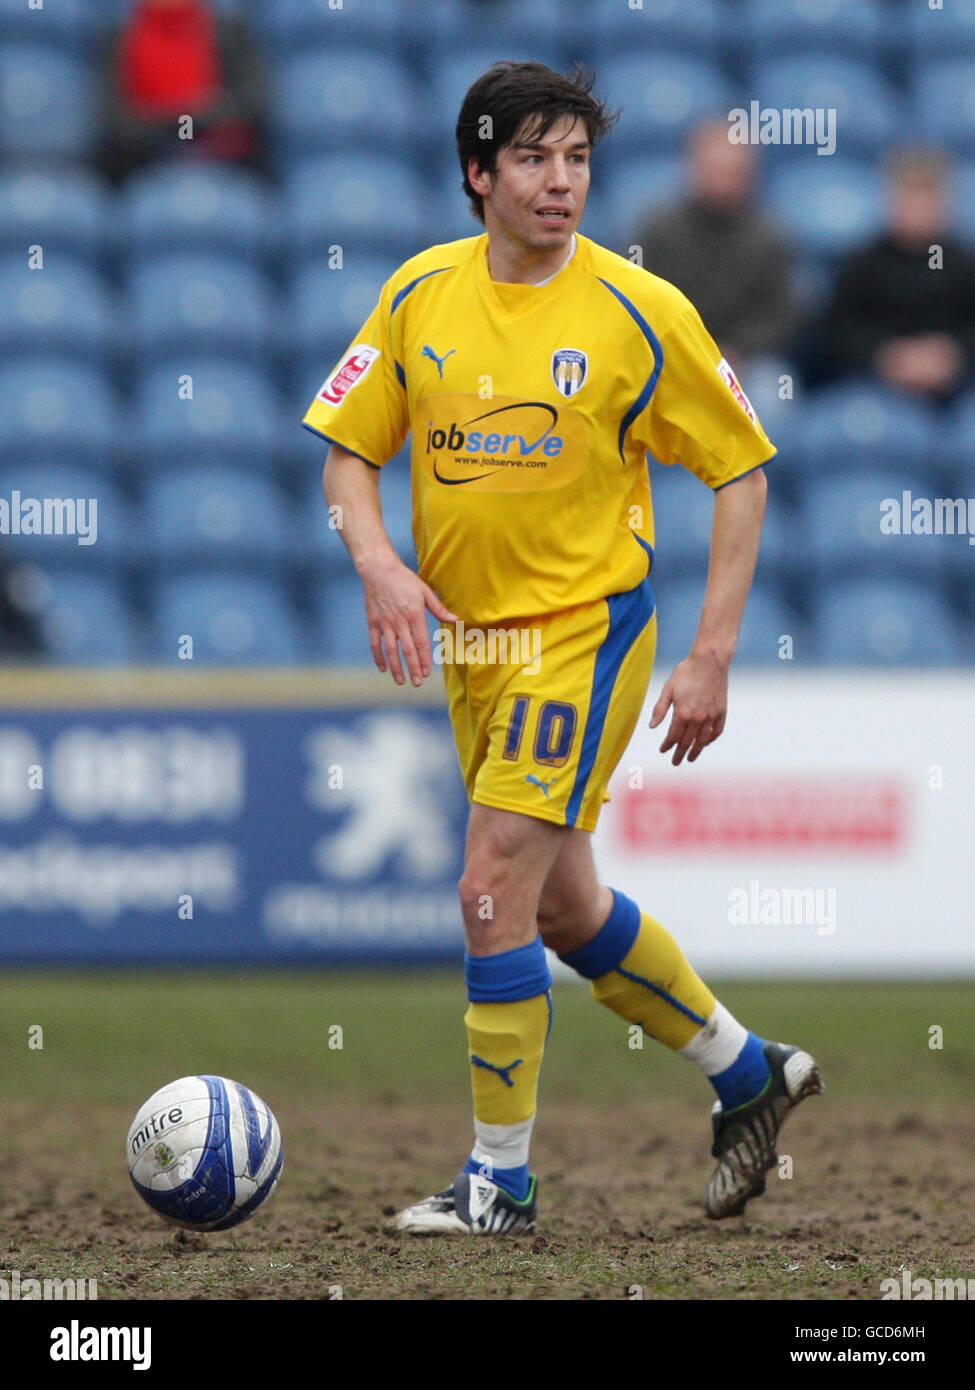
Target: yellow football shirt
(532, 410)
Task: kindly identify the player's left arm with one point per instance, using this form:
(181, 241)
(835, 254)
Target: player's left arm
(697, 692)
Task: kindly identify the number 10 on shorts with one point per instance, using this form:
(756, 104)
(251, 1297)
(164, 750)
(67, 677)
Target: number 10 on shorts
(555, 727)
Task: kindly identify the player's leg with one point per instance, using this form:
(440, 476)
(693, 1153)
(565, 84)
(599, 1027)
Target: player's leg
(637, 969)
(508, 858)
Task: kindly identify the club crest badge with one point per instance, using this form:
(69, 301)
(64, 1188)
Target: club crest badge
(569, 368)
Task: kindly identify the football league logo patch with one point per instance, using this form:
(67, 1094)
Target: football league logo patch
(349, 373)
(734, 386)
(569, 368)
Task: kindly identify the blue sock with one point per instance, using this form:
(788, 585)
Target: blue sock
(515, 1181)
(745, 1078)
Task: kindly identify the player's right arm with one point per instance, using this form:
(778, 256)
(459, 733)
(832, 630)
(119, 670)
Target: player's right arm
(396, 597)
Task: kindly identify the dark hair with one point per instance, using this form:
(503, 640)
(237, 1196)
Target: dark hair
(512, 93)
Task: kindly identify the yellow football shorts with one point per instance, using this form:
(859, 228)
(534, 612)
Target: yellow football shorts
(542, 710)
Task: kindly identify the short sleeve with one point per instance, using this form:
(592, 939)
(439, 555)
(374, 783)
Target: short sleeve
(699, 415)
(361, 405)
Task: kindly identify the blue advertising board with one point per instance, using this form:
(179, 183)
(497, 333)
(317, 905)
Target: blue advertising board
(193, 835)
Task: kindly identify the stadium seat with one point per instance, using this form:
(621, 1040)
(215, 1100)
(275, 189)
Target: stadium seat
(826, 206)
(661, 24)
(362, 204)
(69, 23)
(774, 29)
(201, 303)
(65, 308)
(639, 188)
(52, 408)
(662, 98)
(233, 411)
(683, 509)
(962, 184)
(45, 104)
(334, 100)
(948, 32)
(85, 619)
(212, 209)
(859, 424)
(546, 29)
(205, 517)
(67, 213)
(768, 618)
(886, 623)
(233, 619)
(843, 528)
(867, 111)
(329, 306)
(339, 635)
(447, 209)
(944, 105)
(291, 26)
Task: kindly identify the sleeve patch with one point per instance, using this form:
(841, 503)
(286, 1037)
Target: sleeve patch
(348, 373)
(734, 386)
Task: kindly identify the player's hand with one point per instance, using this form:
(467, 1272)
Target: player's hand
(396, 604)
(698, 692)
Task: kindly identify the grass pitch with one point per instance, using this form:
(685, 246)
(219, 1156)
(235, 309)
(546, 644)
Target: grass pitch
(881, 1168)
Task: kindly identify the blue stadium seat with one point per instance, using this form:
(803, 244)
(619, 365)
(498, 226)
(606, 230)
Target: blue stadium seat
(363, 204)
(827, 206)
(213, 209)
(339, 635)
(768, 617)
(45, 103)
(660, 24)
(201, 303)
(233, 412)
(68, 23)
(662, 98)
(448, 211)
(780, 28)
(886, 623)
(330, 306)
(944, 105)
(963, 191)
(233, 619)
(85, 620)
(65, 213)
(960, 444)
(395, 495)
(52, 409)
(64, 308)
(868, 114)
(204, 517)
(112, 522)
(546, 30)
(944, 33)
(638, 189)
(335, 100)
(859, 425)
(289, 26)
(843, 528)
(683, 509)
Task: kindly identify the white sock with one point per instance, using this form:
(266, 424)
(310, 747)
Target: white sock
(502, 1146)
(718, 1043)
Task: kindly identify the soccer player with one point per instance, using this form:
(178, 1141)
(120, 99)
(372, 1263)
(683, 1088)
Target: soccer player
(536, 371)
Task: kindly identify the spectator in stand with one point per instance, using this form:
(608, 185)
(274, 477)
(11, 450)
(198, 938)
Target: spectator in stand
(174, 58)
(726, 256)
(895, 311)
(19, 635)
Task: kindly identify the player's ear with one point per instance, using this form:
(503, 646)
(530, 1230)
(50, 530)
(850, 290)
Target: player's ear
(478, 177)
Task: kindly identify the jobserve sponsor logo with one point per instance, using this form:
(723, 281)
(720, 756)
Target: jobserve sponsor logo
(513, 445)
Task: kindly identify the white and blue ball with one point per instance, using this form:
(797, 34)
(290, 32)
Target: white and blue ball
(205, 1152)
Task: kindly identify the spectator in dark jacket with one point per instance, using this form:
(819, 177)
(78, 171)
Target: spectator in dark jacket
(903, 306)
(719, 248)
(172, 59)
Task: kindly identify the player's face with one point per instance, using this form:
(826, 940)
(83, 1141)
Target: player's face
(537, 193)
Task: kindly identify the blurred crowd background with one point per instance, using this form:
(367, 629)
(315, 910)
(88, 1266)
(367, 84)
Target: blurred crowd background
(322, 155)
